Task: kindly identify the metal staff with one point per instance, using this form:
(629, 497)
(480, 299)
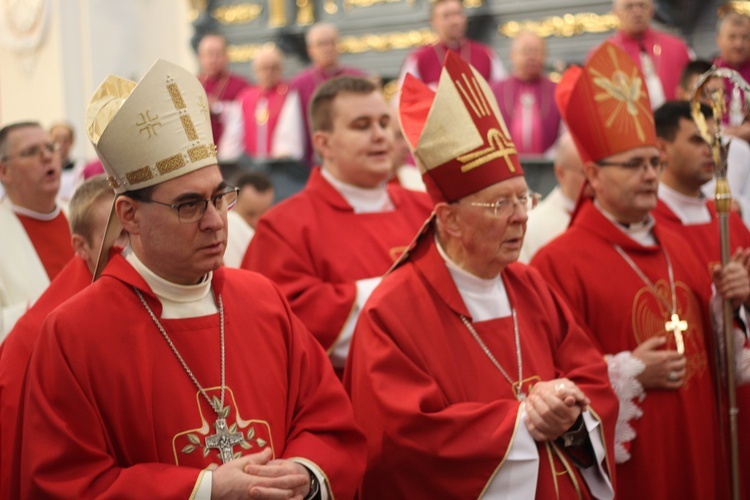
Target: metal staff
(723, 200)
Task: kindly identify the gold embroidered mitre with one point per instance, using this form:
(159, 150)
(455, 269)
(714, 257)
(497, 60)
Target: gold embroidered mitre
(153, 131)
(605, 105)
(457, 133)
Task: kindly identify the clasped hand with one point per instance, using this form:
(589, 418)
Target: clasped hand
(257, 476)
(552, 407)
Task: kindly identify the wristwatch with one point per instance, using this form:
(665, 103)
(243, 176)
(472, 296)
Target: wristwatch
(314, 486)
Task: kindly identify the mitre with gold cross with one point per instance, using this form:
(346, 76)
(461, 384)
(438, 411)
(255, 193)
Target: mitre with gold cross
(148, 133)
(457, 133)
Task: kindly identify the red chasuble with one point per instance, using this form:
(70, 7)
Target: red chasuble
(260, 114)
(51, 240)
(704, 240)
(439, 416)
(305, 84)
(315, 247)
(676, 450)
(16, 350)
(109, 411)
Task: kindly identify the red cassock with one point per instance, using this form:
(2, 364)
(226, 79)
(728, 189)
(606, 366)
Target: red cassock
(315, 248)
(669, 54)
(704, 239)
(109, 411)
(427, 61)
(16, 350)
(676, 451)
(439, 416)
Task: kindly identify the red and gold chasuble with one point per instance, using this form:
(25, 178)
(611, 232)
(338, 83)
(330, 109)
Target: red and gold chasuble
(676, 452)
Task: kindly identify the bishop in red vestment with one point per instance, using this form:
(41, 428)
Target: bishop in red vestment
(171, 376)
(641, 294)
(457, 348)
(328, 246)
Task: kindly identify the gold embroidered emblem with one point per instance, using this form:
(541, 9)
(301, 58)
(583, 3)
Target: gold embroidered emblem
(255, 434)
(621, 93)
(187, 124)
(174, 93)
(113, 182)
(498, 145)
(168, 164)
(198, 153)
(141, 175)
(649, 316)
(148, 124)
(204, 107)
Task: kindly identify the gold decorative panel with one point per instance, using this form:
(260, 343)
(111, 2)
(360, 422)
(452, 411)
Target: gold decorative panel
(566, 26)
(241, 13)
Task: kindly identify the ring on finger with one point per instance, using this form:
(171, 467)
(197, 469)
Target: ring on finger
(559, 387)
(673, 377)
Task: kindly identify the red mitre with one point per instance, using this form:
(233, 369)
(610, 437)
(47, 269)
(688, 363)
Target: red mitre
(457, 133)
(605, 105)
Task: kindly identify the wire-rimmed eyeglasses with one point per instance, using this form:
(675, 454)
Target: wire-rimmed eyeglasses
(505, 206)
(193, 210)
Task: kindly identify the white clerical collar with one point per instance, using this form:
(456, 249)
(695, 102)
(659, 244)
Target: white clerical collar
(35, 215)
(640, 232)
(362, 200)
(178, 301)
(484, 298)
(689, 209)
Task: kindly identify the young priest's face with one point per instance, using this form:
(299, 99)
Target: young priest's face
(181, 252)
(357, 149)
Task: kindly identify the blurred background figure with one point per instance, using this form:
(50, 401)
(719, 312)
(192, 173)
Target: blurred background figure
(405, 173)
(35, 241)
(72, 169)
(222, 86)
(660, 56)
(268, 121)
(527, 97)
(448, 20)
(322, 47)
(256, 197)
(551, 217)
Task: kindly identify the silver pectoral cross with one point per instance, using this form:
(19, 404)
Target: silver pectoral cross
(224, 440)
(677, 326)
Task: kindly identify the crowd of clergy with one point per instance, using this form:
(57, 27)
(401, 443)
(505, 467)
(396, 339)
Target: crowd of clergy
(414, 323)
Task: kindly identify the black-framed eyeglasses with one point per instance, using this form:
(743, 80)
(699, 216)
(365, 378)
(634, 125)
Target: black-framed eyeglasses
(505, 206)
(635, 164)
(193, 210)
(35, 151)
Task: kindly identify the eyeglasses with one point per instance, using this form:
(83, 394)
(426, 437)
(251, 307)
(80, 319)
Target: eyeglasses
(193, 210)
(35, 151)
(636, 164)
(505, 206)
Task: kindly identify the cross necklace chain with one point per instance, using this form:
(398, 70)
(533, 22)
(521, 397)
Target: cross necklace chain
(224, 440)
(675, 325)
(520, 395)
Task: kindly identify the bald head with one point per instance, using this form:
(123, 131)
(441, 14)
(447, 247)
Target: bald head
(634, 15)
(527, 55)
(568, 167)
(212, 54)
(268, 66)
(321, 40)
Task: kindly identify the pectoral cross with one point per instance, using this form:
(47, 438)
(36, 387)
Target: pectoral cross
(224, 440)
(677, 326)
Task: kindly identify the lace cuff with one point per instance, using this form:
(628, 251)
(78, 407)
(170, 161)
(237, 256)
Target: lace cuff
(742, 358)
(623, 369)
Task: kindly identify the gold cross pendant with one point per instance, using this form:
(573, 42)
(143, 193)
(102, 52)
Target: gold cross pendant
(677, 326)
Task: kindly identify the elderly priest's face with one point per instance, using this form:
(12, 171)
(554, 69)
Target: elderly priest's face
(489, 227)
